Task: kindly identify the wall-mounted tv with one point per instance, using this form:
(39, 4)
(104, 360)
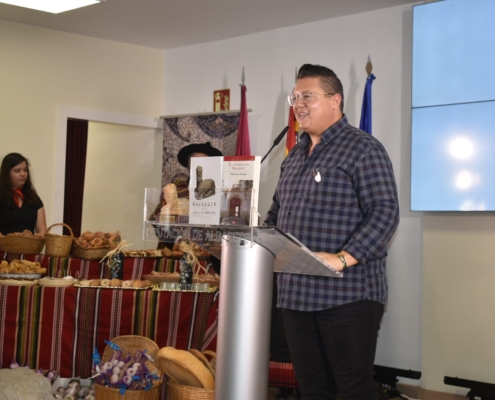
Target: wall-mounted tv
(453, 106)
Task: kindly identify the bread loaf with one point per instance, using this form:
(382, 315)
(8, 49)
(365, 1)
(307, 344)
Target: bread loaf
(184, 368)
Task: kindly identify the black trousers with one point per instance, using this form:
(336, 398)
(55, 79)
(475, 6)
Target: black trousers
(333, 350)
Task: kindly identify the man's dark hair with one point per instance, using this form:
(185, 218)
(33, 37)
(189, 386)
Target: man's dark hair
(328, 79)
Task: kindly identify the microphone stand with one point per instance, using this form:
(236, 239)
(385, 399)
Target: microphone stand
(276, 141)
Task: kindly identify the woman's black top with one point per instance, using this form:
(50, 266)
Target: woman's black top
(15, 219)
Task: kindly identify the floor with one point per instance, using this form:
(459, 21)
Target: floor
(274, 392)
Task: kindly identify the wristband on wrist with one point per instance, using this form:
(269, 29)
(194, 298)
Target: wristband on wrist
(342, 260)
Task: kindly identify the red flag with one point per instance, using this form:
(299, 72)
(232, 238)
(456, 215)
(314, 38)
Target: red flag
(243, 147)
(292, 132)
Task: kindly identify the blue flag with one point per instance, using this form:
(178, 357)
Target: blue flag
(365, 123)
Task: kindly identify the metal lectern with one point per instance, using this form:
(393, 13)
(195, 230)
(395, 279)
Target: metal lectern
(249, 256)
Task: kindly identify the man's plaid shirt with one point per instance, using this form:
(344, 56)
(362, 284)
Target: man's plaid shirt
(353, 208)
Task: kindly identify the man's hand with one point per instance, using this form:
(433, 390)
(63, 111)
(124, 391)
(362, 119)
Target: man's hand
(335, 262)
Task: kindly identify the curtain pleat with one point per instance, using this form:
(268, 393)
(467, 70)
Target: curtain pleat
(75, 168)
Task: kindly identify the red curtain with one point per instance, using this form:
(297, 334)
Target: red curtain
(75, 168)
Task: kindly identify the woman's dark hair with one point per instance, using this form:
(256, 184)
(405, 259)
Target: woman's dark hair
(6, 192)
(329, 81)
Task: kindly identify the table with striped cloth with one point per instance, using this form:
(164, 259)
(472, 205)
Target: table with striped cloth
(58, 328)
(281, 374)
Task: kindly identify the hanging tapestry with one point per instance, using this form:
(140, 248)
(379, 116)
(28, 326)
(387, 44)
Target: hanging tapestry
(219, 129)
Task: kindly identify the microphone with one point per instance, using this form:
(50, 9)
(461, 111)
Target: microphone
(276, 141)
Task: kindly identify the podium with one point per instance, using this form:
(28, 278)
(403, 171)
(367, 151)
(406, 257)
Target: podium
(249, 255)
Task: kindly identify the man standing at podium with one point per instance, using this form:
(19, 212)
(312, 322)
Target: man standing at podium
(337, 195)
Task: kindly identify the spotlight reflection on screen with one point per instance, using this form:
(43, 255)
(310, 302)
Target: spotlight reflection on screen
(464, 180)
(461, 148)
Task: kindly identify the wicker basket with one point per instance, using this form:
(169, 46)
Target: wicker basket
(104, 393)
(131, 344)
(58, 245)
(21, 244)
(88, 254)
(181, 392)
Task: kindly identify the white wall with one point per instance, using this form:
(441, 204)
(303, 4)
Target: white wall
(458, 298)
(343, 44)
(46, 74)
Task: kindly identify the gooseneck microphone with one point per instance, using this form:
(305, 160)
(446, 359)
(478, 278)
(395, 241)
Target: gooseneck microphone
(276, 141)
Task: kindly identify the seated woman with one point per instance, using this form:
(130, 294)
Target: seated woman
(20, 206)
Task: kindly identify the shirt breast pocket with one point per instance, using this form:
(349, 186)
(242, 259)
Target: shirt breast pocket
(330, 188)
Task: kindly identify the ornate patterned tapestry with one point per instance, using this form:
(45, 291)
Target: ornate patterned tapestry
(220, 130)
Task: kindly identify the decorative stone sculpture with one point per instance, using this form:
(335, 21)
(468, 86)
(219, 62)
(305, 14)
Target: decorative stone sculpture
(174, 206)
(204, 188)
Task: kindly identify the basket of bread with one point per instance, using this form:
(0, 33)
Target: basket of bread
(94, 245)
(22, 242)
(191, 373)
(127, 370)
(58, 245)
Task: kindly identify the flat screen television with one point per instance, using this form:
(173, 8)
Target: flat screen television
(453, 106)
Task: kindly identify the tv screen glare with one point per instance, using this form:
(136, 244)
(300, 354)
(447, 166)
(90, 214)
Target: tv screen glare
(453, 106)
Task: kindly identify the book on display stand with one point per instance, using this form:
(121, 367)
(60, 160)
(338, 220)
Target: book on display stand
(205, 190)
(240, 187)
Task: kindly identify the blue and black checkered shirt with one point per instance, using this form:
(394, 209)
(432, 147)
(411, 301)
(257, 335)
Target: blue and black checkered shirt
(353, 208)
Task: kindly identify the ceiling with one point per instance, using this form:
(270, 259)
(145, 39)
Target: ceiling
(165, 24)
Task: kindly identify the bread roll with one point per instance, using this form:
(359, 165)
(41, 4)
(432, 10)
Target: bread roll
(137, 284)
(116, 283)
(97, 242)
(127, 284)
(88, 236)
(105, 282)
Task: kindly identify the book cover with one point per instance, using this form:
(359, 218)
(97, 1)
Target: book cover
(240, 190)
(205, 190)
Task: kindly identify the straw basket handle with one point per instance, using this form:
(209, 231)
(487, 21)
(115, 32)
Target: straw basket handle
(61, 224)
(210, 353)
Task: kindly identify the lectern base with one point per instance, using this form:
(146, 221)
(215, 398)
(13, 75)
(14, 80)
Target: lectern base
(243, 339)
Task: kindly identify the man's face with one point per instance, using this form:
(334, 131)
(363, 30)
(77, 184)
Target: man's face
(321, 112)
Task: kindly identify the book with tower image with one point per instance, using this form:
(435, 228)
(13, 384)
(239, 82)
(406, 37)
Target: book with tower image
(205, 190)
(240, 190)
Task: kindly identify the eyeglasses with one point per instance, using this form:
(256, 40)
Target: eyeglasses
(304, 97)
